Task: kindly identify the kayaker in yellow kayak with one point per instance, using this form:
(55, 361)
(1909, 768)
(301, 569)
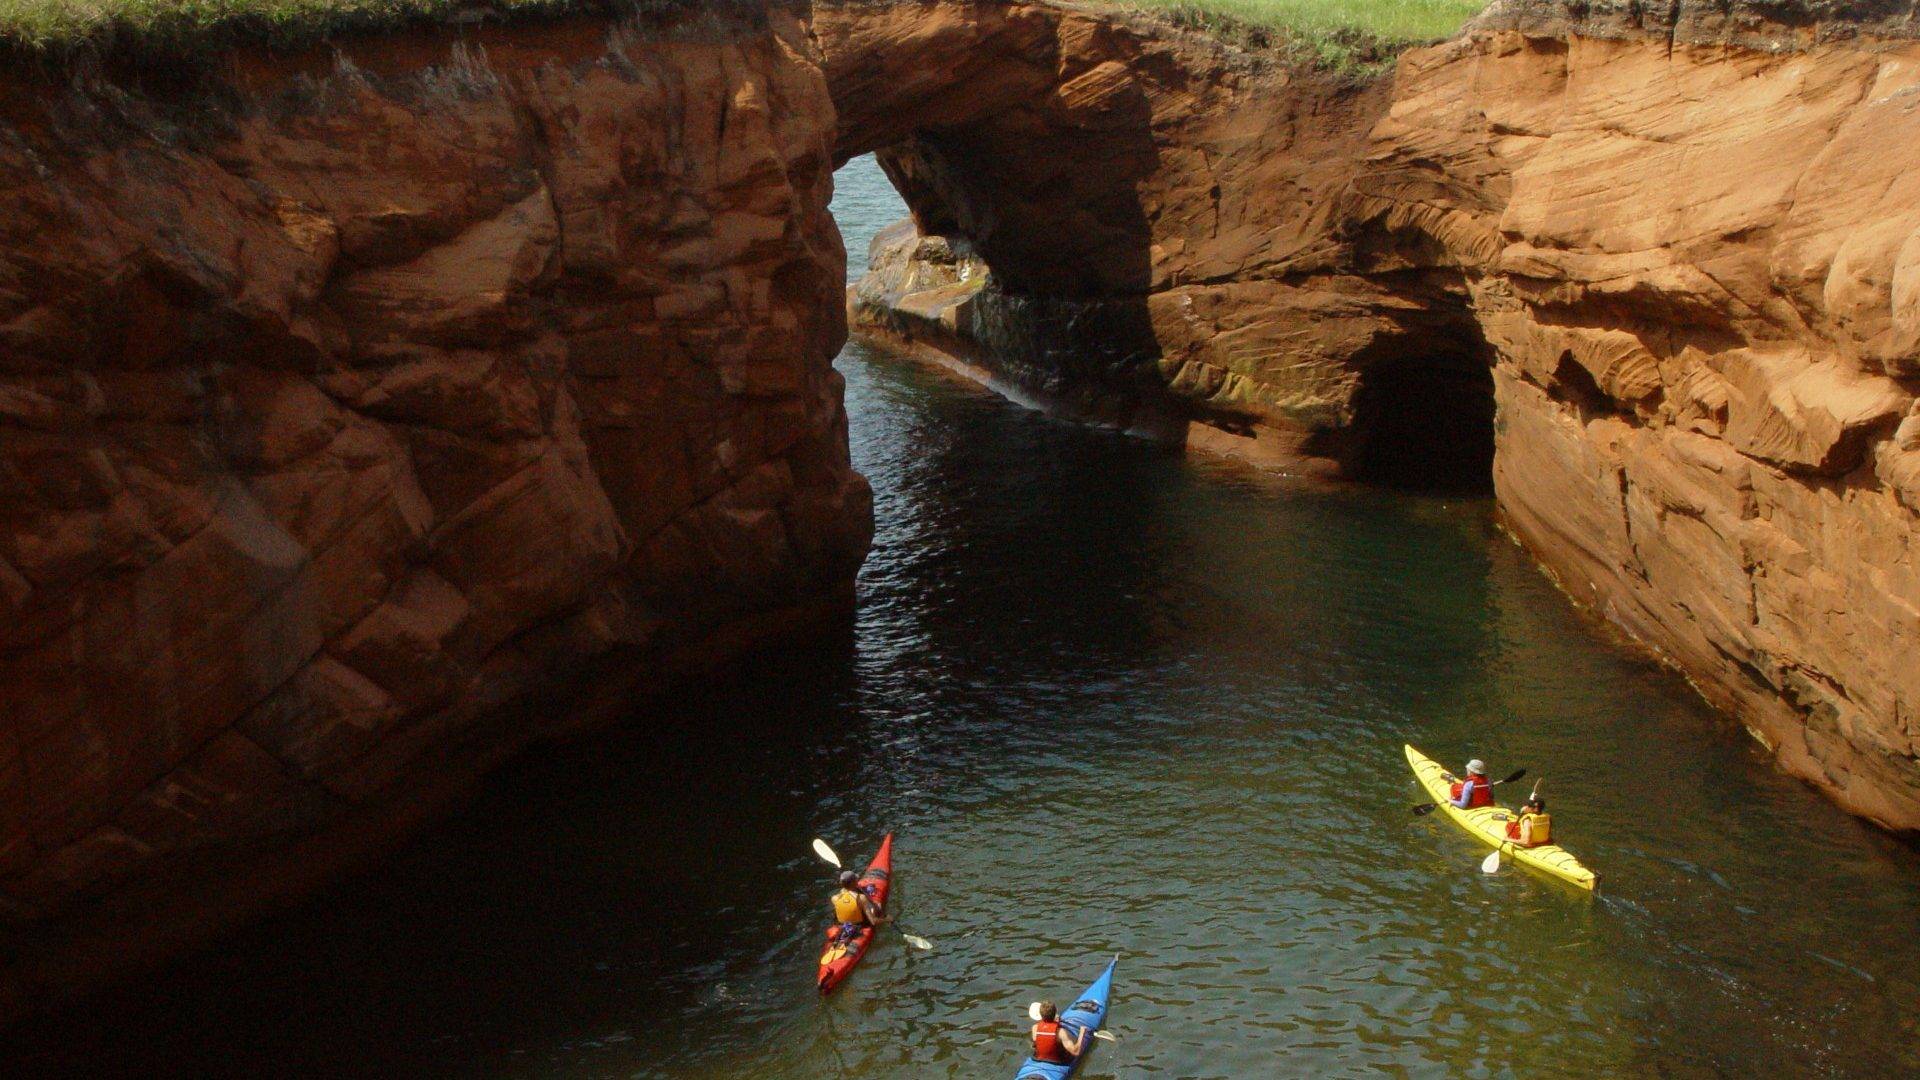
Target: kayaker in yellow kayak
(853, 907)
(1476, 790)
(1533, 827)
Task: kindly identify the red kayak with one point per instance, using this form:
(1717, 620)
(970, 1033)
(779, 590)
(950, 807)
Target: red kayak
(837, 962)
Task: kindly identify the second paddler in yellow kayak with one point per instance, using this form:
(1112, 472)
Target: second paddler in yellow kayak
(1533, 826)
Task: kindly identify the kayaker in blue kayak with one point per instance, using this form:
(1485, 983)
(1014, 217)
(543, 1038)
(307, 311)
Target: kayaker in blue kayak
(853, 906)
(1053, 1043)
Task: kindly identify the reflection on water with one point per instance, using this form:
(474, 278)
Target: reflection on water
(1111, 699)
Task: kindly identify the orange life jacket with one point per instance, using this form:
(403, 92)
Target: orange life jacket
(847, 907)
(1046, 1043)
(1531, 830)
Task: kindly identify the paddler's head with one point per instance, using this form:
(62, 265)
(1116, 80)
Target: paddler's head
(1476, 767)
(1047, 1012)
(848, 879)
(1536, 804)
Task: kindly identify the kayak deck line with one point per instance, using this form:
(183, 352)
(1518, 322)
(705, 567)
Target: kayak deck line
(1489, 824)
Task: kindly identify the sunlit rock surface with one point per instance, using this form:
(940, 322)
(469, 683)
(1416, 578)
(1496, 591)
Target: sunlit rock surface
(1686, 247)
(362, 410)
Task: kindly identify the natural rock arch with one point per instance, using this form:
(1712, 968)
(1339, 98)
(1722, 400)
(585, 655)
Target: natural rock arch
(1701, 329)
(1173, 231)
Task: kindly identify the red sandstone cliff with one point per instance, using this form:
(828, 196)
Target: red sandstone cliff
(355, 406)
(1686, 246)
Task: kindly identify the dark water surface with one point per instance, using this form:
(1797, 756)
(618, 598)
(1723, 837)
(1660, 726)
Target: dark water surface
(1111, 699)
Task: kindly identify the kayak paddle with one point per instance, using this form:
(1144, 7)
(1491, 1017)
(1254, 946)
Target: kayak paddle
(1430, 807)
(1033, 1011)
(827, 855)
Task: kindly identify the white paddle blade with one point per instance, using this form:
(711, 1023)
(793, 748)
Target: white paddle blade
(826, 854)
(1491, 864)
(1033, 1012)
(1106, 1035)
(918, 942)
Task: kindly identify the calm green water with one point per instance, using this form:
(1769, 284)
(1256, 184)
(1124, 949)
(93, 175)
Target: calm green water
(1111, 699)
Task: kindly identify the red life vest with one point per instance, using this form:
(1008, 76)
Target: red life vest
(1046, 1044)
(1482, 792)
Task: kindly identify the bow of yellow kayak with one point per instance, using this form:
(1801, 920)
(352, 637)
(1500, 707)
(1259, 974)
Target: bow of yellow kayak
(1489, 823)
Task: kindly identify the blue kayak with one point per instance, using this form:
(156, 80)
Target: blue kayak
(1089, 1011)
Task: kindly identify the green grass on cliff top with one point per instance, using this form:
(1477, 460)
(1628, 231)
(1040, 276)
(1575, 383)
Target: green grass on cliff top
(1341, 34)
(54, 24)
(1398, 21)
(1337, 33)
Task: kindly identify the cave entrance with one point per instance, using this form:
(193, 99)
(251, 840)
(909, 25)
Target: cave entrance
(1425, 423)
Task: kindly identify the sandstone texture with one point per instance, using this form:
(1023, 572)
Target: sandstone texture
(362, 412)
(355, 407)
(1663, 267)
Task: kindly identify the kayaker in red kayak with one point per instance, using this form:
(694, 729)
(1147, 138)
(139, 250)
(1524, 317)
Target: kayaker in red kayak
(1476, 790)
(1054, 1044)
(853, 906)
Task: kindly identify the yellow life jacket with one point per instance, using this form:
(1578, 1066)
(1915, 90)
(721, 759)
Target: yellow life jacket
(846, 907)
(1536, 829)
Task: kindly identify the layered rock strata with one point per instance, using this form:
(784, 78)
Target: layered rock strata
(357, 408)
(1679, 254)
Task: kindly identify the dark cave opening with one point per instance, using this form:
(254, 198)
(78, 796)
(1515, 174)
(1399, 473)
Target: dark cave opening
(1426, 423)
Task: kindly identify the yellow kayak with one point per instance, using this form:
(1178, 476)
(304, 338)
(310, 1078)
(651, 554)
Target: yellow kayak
(1489, 823)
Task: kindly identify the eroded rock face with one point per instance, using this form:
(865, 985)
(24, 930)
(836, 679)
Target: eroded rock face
(350, 414)
(1164, 223)
(1698, 311)
(1684, 245)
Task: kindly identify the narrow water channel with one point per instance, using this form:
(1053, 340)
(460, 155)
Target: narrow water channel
(1112, 700)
